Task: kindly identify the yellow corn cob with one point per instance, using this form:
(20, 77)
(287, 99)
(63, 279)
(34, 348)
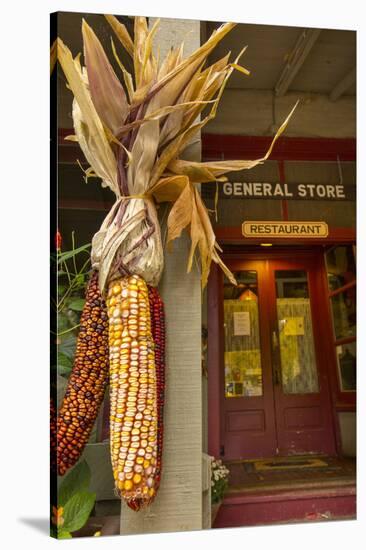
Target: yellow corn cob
(133, 392)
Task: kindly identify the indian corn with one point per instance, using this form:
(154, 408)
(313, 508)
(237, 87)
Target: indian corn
(87, 382)
(53, 436)
(133, 391)
(158, 331)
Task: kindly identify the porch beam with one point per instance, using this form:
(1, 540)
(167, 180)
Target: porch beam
(343, 85)
(220, 146)
(298, 55)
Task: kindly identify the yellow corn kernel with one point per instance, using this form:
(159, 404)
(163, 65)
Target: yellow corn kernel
(137, 479)
(128, 485)
(133, 411)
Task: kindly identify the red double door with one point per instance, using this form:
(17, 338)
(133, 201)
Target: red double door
(273, 365)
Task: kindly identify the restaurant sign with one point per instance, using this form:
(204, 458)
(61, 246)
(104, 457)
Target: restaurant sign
(288, 191)
(276, 229)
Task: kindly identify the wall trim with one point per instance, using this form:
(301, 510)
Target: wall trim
(223, 146)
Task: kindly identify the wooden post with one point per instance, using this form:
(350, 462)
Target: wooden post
(178, 505)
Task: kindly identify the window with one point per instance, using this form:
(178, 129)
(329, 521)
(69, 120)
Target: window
(341, 272)
(243, 367)
(298, 365)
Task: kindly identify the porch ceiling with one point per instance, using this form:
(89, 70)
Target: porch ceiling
(328, 59)
(314, 61)
(286, 64)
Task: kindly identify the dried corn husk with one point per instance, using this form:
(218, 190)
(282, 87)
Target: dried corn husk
(106, 91)
(88, 126)
(133, 143)
(53, 56)
(121, 32)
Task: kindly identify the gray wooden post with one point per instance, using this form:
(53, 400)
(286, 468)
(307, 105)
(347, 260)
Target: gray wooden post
(178, 505)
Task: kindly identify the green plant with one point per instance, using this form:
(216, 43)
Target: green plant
(75, 502)
(219, 480)
(72, 271)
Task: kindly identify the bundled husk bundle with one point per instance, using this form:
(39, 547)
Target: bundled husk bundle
(133, 132)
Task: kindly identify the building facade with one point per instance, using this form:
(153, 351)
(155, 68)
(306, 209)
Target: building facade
(274, 376)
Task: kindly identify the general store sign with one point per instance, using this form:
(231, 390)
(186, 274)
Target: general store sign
(288, 191)
(306, 230)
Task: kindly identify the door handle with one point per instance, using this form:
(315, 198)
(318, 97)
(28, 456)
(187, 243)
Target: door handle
(275, 346)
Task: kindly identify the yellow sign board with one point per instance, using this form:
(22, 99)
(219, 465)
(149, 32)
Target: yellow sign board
(307, 230)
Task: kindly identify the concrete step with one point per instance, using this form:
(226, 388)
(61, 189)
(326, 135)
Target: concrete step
(277, 506)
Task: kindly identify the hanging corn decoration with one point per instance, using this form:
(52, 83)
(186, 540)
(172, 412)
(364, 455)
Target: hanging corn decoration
(132, 135)
(133, 391)
(158, 331)
(53, 436)
(88, 380)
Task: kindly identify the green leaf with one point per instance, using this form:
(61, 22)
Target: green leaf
(78, 479)
(77, 305)
(62, 322)
(63, 371)
(63, 360)
(77, 510)
(68, 345)
(61, 289)
(63, 534)
(63, 256)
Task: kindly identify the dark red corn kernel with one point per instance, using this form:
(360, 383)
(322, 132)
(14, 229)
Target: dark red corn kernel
(53, 436)
(157, 327)
(87, 382)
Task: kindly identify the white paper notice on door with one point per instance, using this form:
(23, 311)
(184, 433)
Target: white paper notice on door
(241, 323)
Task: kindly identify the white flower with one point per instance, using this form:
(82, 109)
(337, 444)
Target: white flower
(219, 472)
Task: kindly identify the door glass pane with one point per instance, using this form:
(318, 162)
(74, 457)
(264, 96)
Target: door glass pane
(346, 357)
(298, 365)
(341, 267)
(243, 370)
(344, 313)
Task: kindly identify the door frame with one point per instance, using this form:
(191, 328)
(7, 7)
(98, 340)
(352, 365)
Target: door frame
(216, 335)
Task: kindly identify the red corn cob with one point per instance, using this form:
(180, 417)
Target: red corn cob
(87, 382)
(158, 331)
(53, 436)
